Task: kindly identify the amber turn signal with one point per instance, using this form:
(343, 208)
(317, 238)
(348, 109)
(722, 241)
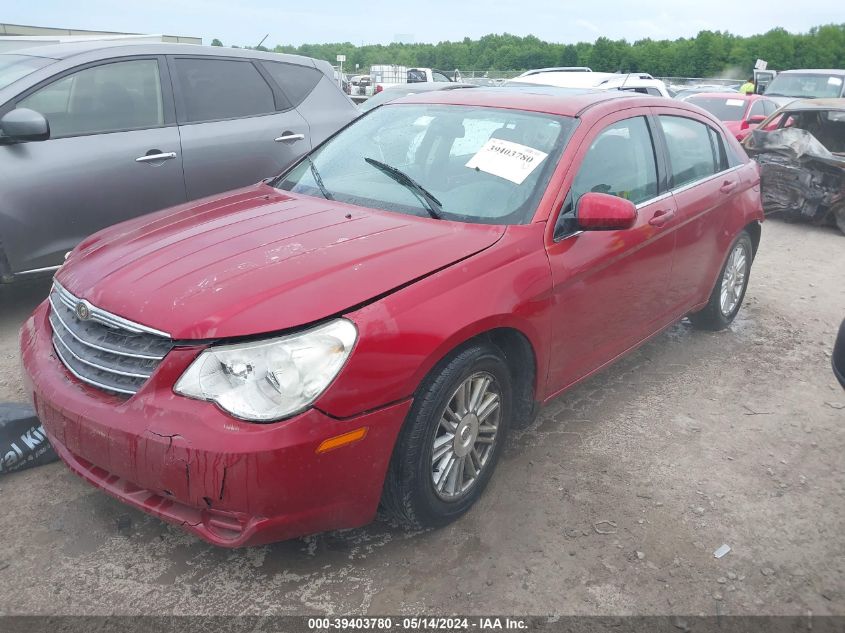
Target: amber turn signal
(342, 440)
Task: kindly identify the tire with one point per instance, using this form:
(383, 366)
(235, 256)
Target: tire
(411, 494)
(716, 315)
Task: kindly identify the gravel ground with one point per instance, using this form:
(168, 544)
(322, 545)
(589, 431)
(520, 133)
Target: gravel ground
(613, 502)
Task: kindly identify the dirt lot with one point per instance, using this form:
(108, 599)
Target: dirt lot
(695, 440)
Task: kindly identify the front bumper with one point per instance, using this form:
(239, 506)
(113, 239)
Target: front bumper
(229, 482)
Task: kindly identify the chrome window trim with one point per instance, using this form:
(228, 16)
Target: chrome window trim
(106, 318)
(687, 185)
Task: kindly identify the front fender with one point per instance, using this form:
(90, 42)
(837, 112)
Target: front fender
(404, 335)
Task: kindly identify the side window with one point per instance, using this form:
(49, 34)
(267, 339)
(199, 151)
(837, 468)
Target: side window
(691, 151)
(416, 76)
(757, 109)
(769, 107)
(214, 89)
(436, 76)
(620, 162)
(108, 98)
(296, 81)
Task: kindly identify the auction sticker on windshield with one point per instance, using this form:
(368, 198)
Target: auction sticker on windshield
(506, 159)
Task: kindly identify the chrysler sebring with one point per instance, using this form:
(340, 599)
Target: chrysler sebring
(365, 328)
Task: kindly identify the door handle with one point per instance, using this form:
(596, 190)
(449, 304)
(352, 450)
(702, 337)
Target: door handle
(727, 186)
(661, 217)
(290, 136)
(155, 155)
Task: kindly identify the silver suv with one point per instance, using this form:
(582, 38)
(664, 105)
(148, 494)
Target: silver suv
(95, 133)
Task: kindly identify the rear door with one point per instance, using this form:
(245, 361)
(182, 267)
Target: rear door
(315, 96)
(706, 186)
(236, 126)
(113, 154)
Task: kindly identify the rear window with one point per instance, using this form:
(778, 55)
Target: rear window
(214, 89)
(296, 81)
(723, 108)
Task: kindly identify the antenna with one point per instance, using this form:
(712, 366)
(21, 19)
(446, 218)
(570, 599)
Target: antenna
(262, 40)
(624, 81)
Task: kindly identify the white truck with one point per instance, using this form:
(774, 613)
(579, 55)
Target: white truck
(384, 75)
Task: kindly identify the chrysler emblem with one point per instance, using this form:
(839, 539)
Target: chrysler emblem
(83, 310)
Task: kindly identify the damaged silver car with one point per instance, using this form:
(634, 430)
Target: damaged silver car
(801, 151)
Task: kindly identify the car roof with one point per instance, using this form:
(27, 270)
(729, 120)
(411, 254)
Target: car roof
(726, 95)
(814, 71)
(120, 48)
(425, 86)
(815, 104)
(548, 99)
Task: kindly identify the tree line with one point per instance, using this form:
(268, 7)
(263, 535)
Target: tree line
(708, 54)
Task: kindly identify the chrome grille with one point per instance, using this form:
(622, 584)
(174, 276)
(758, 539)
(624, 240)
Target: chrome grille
(104, 350)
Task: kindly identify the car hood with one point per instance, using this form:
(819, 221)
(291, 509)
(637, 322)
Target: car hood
(259, 260)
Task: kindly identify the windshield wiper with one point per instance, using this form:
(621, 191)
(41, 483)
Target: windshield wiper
(316, 175)
(432, 204)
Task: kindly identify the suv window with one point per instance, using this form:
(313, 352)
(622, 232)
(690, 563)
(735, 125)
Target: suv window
(620, 162)
(107, 98)
(691, 149)
(214, 89)
(296, 81)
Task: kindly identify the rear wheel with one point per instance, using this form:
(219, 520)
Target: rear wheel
(451, 441)
(727, 295)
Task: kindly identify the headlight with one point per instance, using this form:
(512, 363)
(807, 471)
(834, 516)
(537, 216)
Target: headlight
(268, 380)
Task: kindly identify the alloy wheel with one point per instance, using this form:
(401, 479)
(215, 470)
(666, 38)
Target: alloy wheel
(733, 280)
(465, 436)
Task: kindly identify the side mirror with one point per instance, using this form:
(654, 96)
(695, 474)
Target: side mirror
(603, 212)
(23, 125)
(757, 119)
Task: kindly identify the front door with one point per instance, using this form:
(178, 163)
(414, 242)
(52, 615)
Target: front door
(609, 286)
(113, 154)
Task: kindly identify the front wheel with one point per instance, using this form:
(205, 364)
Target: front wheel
(727, 295)
(451, 441)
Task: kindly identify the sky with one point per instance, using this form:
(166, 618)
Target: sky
(245, 22)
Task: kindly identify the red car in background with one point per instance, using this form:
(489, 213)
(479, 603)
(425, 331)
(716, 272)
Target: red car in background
(367, 326)
(740, 113)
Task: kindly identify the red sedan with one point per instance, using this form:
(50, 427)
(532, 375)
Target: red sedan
(740, 113)
(366, 327)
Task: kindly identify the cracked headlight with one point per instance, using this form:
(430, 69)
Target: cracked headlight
(264, 381)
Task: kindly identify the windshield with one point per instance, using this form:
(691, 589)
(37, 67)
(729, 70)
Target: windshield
(13, 67)
(807, 86)
(479, 164)
(723, 108)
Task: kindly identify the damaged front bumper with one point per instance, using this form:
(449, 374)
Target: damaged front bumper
(230, 482)
(800, 179)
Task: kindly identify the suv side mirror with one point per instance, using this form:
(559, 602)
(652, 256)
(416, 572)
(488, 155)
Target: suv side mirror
(603, 212)
(22, 124)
